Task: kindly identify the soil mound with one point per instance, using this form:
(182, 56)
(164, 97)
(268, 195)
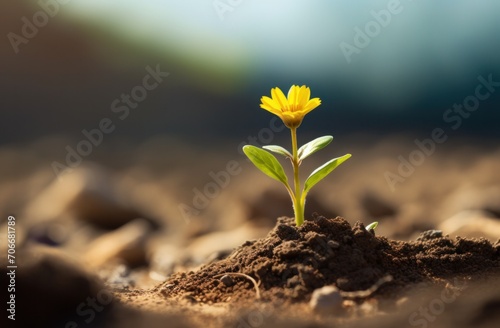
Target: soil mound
(291, 262)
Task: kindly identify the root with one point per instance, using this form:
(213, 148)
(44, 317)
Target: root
(369, 291)
(255, 284)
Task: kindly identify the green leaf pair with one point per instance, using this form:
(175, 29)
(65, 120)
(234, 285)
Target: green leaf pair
(304, 151)
(269, 165)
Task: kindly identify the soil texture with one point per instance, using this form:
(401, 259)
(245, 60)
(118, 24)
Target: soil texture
(291, 262)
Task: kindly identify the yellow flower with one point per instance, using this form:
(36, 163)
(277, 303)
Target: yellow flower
(293, 108)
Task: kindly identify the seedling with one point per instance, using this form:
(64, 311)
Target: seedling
(291, 110)
(371, 226)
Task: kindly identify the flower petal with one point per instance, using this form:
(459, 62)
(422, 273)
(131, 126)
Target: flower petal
(270, 109)
(311, 104)
(280, 98)
(266, 101)
(304, 95)
(293, 95)
(289, 115)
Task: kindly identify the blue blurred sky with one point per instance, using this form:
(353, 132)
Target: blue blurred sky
(421, 58)
(425, 44)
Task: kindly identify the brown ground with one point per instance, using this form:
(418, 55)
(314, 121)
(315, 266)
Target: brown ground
(121, 254)
(290, 263)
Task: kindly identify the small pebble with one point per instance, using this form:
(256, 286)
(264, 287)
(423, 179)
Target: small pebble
(333, 244)
(326, 300)
(189, 296)
(403, 302)
(227, 280)
(430, 234)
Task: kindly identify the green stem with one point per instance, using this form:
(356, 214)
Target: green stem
(298, 202)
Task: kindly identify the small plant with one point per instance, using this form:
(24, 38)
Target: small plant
(372, 226)
(291, 110)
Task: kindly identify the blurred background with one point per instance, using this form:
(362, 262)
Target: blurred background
(122, 121)
(222, 56)
(118, 110)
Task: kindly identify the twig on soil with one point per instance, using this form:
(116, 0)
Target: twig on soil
(367, 292)
(255, 284)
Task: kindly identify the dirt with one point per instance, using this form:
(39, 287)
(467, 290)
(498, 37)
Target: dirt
(197, 272)
(291, 262)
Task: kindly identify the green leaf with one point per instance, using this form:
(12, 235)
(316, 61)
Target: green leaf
(371, 226)
(313, 146)
(323, 171)
(278, 150)
(266, 162)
